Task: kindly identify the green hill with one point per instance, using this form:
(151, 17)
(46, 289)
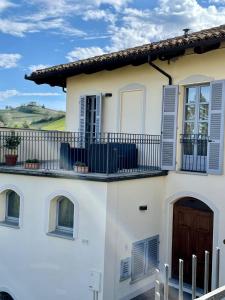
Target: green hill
(32, 116)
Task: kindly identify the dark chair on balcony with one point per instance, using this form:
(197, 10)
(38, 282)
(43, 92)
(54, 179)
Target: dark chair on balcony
(100, 158)
(69, 156)
(112, 157)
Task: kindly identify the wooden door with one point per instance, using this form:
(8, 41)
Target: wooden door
(192, 234)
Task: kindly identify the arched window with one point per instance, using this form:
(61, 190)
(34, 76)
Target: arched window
(12, 210)
(65, 215)
(5, 296)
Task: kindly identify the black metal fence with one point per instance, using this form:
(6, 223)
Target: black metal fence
(194, 152)
(105, 153)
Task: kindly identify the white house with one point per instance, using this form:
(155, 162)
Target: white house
(136, 181)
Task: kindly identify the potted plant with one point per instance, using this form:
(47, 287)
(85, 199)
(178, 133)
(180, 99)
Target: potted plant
(32, 164)
(12, 142)
(80, 167)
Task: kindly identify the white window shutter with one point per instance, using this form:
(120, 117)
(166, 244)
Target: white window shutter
(82, 121)
(98, 113)
(216, 128)
(169, 127)
(82, 114)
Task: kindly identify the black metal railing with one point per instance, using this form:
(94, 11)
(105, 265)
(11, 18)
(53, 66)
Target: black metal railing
(105, 153)
(194, 152)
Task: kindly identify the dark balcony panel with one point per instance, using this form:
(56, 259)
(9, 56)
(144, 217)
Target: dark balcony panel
(194, 152)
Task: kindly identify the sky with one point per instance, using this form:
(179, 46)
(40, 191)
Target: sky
(35, 34)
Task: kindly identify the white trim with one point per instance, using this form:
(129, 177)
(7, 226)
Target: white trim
(129, 88)
(57, 194)
(169, 225)
(8, 291)
(11, 187)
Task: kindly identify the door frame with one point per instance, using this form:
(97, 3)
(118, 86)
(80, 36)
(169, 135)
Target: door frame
(168, 226)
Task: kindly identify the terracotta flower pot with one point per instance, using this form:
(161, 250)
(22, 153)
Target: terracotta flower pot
(32, 166)
(11, 159)
(81, 169)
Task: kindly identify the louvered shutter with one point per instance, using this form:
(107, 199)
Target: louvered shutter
(169, 127)
(138, 260)
(216, 128)
(98, 114)
(152, 254)
(82, 121)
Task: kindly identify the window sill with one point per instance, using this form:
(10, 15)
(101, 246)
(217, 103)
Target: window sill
(61, 235)
(192, 173)
(9, 224)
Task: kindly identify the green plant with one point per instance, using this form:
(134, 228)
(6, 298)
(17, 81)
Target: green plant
(79, 164)
(33, 161)
(12, 141)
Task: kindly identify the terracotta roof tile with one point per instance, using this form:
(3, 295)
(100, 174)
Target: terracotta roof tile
(57, 75)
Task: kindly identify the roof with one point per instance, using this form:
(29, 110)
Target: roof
(201, 41)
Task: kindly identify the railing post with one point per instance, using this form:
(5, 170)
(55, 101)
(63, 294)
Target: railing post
(157, 285)
(206, 273)
(217, 267)
(166, 282)
(181, 278)
(194, 268)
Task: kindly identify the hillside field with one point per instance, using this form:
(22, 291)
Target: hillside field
(32, 116)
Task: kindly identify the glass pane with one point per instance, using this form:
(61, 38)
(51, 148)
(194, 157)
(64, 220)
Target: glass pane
(189, 128)
(191, 95)
(203, 111)
(190, 112)
(65, 213)
(13, 205)
(203, 128)
(202, 147)
(204, 94)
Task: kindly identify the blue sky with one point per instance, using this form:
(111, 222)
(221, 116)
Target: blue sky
(39, 33)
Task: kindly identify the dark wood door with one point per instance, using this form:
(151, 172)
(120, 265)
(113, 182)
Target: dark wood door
(192, 234)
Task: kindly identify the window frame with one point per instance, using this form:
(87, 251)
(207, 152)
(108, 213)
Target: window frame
(8, 219)
(63, 229)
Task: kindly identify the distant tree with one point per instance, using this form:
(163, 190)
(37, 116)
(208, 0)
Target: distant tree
(43, 106)
(25, 125)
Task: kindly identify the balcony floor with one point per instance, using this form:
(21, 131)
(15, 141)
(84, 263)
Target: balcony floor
(60, 173)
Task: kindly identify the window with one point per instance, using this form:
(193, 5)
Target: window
(12, 208)
(5, 296)
(65, 216)
(144, 258)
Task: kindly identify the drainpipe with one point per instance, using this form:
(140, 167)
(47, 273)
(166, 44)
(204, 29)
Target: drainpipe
(160, 70)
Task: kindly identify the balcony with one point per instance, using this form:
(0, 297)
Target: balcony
(104, 157)
(194, 152)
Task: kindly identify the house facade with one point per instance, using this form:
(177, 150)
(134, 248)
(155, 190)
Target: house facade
(136, 181)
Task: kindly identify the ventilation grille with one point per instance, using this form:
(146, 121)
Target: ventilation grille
(145, 258)
(125, 268)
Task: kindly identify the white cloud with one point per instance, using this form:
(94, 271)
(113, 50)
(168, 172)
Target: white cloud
(4, 4)
(99, 14)
(166, 20)
(33, 68)
(9, 60)
(14, 93)
(82, 53)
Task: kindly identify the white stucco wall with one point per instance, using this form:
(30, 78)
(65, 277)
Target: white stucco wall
(36, 266)
(127, 224)
(53, 268)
